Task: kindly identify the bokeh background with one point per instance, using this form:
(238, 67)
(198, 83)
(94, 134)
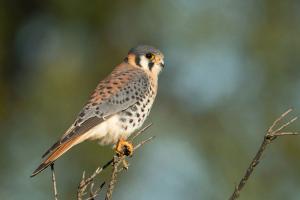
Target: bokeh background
(231, 68)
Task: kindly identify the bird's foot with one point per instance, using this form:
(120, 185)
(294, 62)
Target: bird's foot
(125, 164)
(124, 148)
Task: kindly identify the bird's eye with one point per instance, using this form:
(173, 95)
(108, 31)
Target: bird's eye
(150, 56)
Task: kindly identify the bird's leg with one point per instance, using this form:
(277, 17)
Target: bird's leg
(124, 148)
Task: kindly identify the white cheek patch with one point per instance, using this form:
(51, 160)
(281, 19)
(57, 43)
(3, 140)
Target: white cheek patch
(144, 62)
(156, 69)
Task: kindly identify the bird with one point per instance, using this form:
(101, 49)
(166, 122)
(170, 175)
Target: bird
(117, 107)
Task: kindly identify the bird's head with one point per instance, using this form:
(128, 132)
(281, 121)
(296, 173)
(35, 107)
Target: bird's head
(146, 57)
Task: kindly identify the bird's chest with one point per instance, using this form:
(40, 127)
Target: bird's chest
(127, 121)
(133, 118)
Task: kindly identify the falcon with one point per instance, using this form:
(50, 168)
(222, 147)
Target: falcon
(118, 106)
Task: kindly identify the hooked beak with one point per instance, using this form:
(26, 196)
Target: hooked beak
(160, 61)
(162, 64)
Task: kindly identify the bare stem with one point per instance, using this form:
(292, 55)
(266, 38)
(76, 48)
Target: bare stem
(84, 183)
(269, 137)
(116, 162)
(140, 132)
(54, 182)
(113, 180)
(143, 142)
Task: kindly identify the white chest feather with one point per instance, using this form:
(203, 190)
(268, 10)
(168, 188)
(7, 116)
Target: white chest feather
(107, 132)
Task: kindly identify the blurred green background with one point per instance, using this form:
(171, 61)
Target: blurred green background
(231, 68)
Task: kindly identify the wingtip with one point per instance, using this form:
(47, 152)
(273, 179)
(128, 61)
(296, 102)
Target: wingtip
(32, 175)
(39, 169)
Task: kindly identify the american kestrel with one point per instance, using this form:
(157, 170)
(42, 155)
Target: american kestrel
(118, 106)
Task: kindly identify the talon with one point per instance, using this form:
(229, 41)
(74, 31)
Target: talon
(124, 147)
(125, 164)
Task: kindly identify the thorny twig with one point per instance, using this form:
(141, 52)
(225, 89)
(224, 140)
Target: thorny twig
(116, 161)
(54, 182)
(268, 138)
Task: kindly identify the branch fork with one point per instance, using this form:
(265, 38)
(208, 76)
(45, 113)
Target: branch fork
(271, 134)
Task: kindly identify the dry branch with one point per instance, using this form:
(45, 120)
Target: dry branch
(54, 182)
(85, 182)
(116, 162)
(270, 136)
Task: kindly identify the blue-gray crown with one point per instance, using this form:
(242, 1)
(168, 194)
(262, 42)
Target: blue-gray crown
(144, 49)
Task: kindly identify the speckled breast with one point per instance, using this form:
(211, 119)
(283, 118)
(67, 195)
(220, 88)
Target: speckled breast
(133, 118)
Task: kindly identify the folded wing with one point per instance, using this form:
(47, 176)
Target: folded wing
(114, 94)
